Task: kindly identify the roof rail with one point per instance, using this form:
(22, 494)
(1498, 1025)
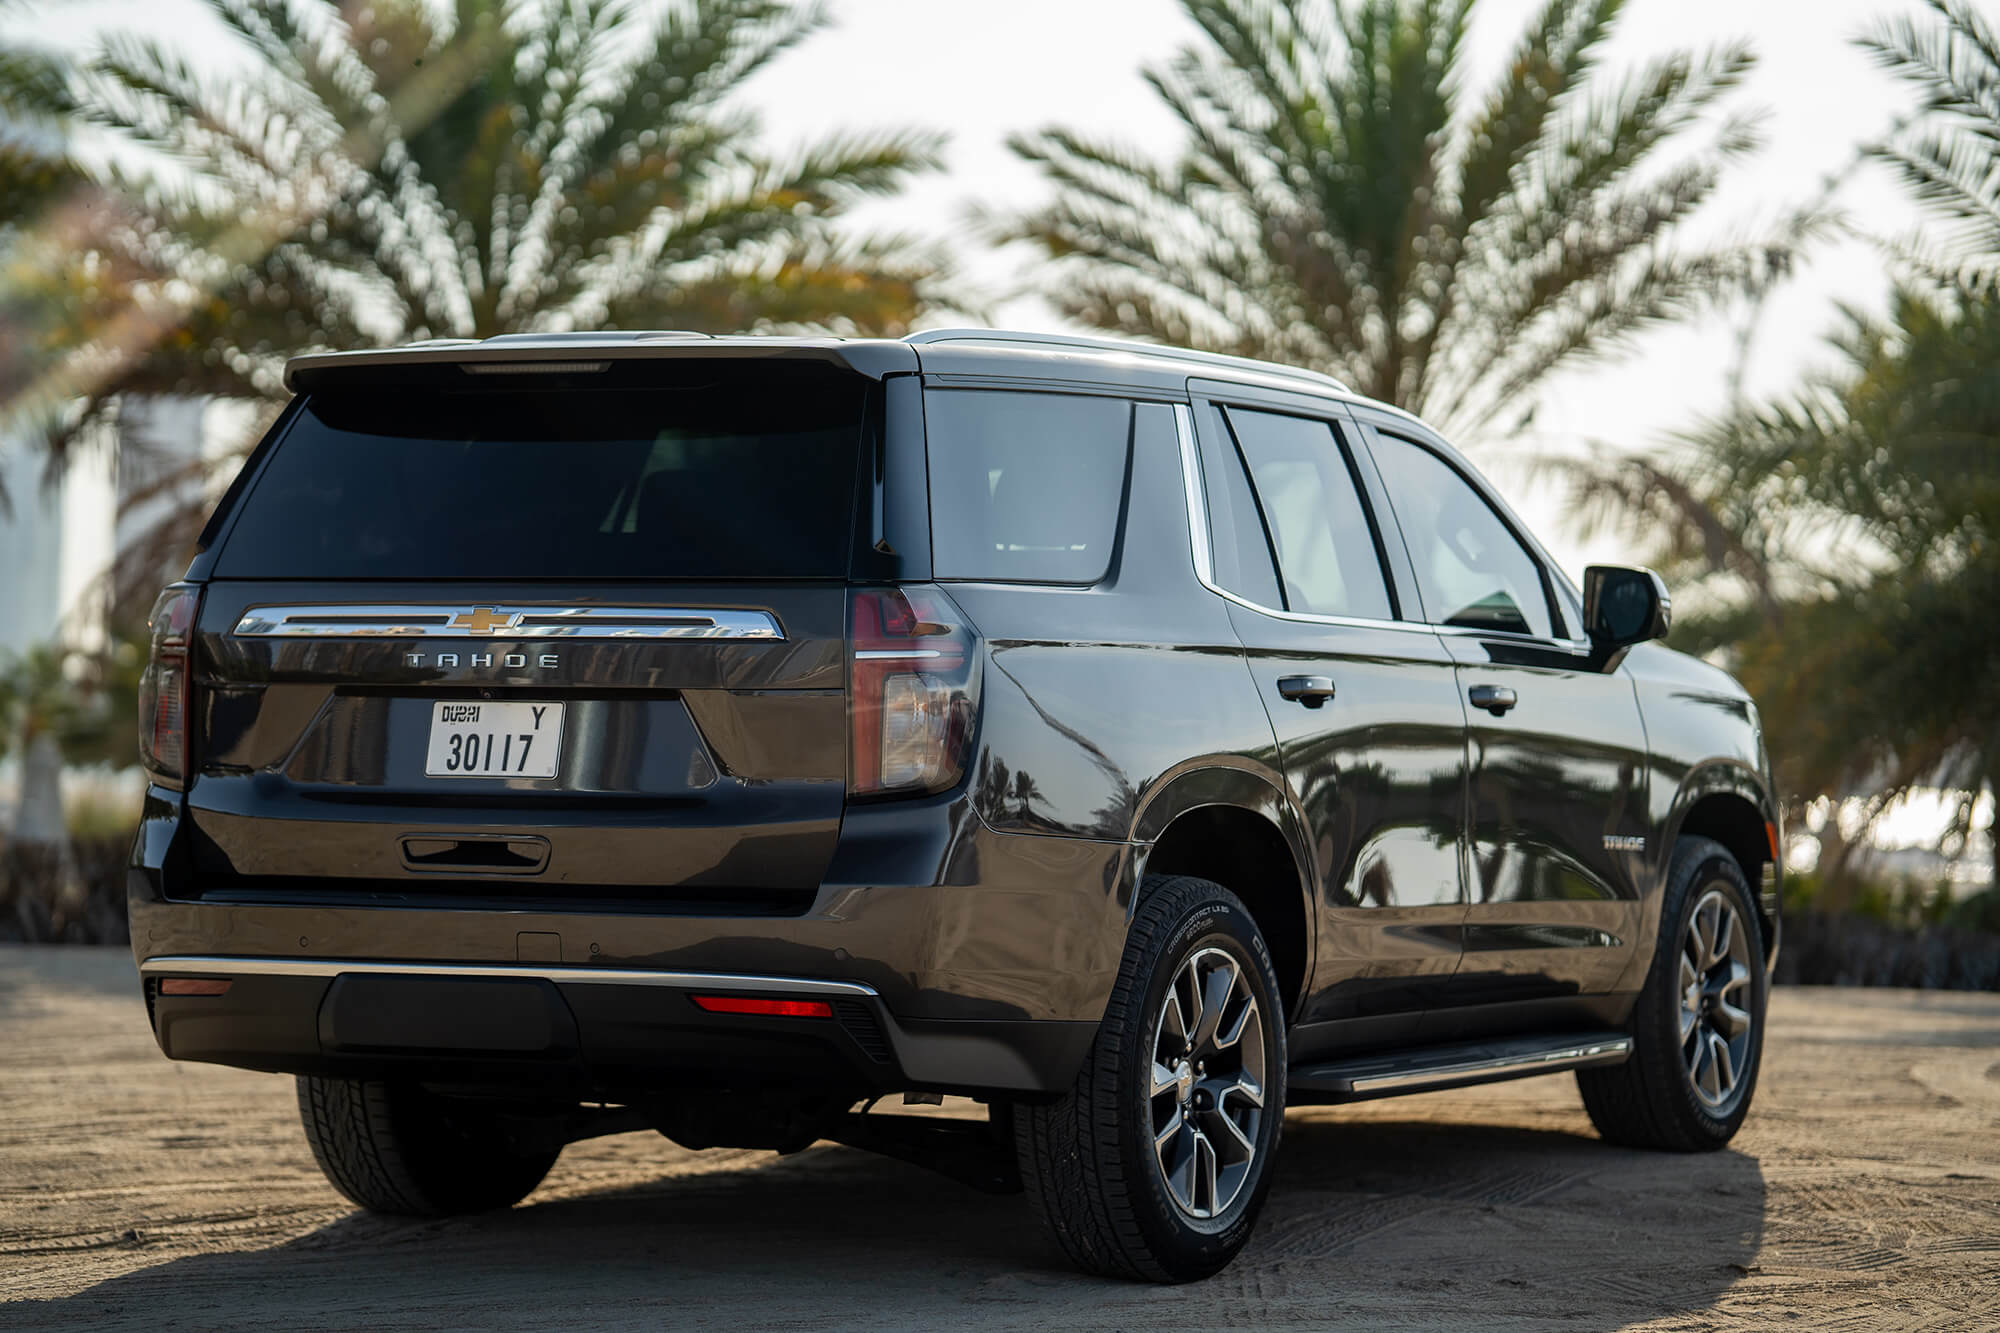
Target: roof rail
(1129, 346)
(585, 336)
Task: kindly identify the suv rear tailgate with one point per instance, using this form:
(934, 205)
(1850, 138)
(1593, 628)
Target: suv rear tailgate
(711, 757)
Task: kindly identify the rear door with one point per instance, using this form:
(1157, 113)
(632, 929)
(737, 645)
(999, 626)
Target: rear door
(1365, 707)
(573, 637)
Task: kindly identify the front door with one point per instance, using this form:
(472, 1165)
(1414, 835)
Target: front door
(1556, 753)
(1366, 711)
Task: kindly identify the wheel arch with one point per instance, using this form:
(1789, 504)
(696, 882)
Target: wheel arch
(1233, 824)
(1729, 802)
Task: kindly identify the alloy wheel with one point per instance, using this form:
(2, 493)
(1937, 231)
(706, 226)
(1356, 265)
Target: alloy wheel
(1207, 1085)
(1715, 1018)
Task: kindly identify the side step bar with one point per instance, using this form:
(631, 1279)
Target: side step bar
(1428, 1068)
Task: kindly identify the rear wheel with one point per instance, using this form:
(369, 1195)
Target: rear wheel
(1698, 1028)
(395, 1148)
(1155, 1163)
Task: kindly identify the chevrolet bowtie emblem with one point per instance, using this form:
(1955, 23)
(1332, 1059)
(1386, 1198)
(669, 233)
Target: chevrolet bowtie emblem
(482, 620)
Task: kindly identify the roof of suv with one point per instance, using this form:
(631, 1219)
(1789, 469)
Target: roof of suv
(1041, 355)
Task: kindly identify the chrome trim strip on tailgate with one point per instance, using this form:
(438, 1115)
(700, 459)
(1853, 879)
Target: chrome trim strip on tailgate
(508, 622)
(203, 965)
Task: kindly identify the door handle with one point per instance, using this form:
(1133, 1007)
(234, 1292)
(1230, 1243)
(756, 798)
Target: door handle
(1312, 691)
(1495, 699)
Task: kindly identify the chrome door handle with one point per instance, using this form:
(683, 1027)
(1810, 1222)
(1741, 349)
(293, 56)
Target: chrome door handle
(1312, 691)
(1495, 699)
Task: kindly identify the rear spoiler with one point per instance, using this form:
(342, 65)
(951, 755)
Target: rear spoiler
(582, 353)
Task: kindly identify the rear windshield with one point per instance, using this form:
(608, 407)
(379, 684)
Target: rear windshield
(724, 479)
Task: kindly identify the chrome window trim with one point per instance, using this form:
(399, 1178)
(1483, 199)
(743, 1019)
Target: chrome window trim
(1204, 566)
(1204, 560)
(432, 621)
(207, 965)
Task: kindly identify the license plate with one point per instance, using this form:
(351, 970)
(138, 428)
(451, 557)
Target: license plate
(489, 740)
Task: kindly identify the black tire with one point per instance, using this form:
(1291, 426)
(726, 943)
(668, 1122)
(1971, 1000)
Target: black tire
(1088, 1160)
(395, 1148)
(1653, 1099)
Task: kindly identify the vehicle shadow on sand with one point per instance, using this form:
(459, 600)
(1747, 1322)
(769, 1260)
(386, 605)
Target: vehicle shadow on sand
(1370, 1223)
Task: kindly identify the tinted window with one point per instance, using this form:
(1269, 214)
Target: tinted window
(1471, 569)
(1025, 487)
(1312, 507)
(1240, 549)
(717, 481)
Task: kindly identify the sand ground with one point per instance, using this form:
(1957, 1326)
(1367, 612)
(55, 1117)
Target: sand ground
(1864, 1192)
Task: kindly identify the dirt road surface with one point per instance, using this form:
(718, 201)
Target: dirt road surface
(1863, 1193)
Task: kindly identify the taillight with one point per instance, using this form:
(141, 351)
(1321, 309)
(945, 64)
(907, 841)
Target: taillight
(164, 689)
(914, 692)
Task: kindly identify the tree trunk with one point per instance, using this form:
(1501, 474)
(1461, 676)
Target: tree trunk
(1993, 824)
(1836, 879)
(38, 812)
(39, 862)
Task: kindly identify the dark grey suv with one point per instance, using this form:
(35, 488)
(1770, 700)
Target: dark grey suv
(565, 735)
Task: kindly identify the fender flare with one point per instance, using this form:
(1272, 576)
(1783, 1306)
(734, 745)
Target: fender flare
(1241, 784)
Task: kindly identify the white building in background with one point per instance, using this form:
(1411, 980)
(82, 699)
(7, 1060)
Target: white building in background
(58, 542)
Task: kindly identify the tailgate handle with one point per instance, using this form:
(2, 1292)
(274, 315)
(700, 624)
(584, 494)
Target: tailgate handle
(480, 853)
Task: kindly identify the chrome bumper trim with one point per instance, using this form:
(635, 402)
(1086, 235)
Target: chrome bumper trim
(207, 965)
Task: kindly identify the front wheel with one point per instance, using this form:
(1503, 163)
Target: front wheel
(1698, 1027)
(1155, 1163)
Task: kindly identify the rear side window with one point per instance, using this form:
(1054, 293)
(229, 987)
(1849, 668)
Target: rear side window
(1312, 506)
(1241, 549)
(1025, 487)
(720, 479)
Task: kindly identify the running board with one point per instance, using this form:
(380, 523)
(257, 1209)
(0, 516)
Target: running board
(1428, 1068)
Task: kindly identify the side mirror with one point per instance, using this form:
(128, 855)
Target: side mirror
(1623, 606)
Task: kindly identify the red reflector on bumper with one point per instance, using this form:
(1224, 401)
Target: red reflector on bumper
(738, 1004)
(193, 986)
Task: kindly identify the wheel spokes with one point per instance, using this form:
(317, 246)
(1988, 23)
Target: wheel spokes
(1204, 1174)
(1215, 993)
(1722, 1063)
(1221, 1127)
(1730, 1018)
(1246, 1087)
(1173, 1022)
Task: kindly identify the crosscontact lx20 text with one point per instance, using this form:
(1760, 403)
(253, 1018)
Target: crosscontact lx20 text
(563, 735)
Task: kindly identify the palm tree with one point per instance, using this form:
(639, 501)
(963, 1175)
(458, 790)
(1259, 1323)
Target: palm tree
(1346, 200)
(355, 176)
(38, 185)
(1946, 156)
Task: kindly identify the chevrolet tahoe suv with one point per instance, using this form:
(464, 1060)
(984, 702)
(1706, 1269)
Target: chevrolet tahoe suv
(562, 735)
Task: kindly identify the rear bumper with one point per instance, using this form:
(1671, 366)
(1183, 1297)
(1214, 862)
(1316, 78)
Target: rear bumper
(583, 1030)
(982, 961)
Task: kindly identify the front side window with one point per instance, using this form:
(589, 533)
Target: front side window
(1312, 508)
(1025, 487)
(1473, 572)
